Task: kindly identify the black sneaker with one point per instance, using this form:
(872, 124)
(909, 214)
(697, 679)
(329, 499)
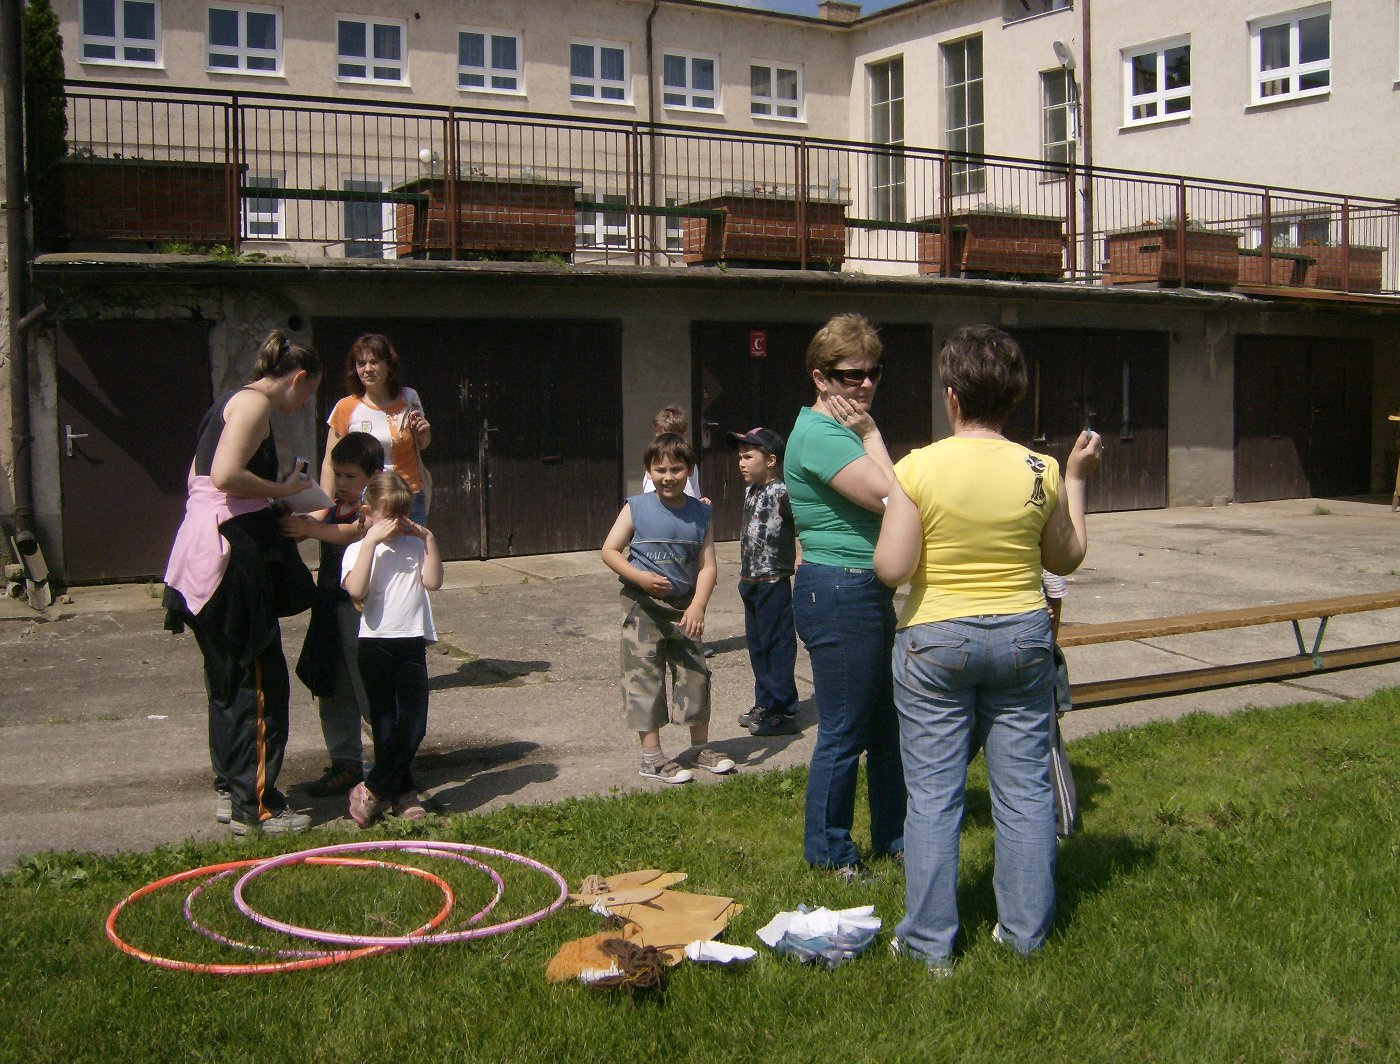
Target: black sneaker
(775, 724)
(750, 717)
(338, 778)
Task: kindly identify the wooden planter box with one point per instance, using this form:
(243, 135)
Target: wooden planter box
(1325, 268)
(997, 244)
(1149, 254)
(1285, 267)
(756, 228)
(493, 216)
(147, 201)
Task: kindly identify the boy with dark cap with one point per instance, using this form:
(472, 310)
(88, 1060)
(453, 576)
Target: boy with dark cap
(767, 553)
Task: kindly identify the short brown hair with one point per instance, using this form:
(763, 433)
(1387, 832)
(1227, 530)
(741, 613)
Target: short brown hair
(380, 347)
(670, 419)
(844, 336)
(389, 494)
(669, 445)
(986, 371)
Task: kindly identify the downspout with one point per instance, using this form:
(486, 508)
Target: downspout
(651, 133)
(16, 229)
(1087, 102)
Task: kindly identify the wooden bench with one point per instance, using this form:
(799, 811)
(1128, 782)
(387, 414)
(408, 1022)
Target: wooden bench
(1305, 662)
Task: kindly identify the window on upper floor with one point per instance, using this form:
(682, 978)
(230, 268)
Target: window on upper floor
(887, 170)
(963, 120)
(689, 80)
(121, 31)
(1016, 10)
(371, 50)
(1157, 82)
(262, 210)
(1292, 54)
(775, 90)
(489, 61)
(598, 71)
(1056, 117)
(244, 40)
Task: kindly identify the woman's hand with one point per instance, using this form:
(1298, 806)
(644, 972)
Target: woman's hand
(418, 425)
(1084, 455)
(292, 483)
(848, 414)
(297, 527)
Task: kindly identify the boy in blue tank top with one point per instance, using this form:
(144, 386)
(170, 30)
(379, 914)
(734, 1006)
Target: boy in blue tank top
(662, 548)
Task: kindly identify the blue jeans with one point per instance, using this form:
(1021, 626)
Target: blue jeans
(993, 678)
(846, 620)
(772, 643)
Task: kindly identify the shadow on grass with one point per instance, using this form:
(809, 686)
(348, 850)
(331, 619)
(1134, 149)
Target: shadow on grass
(1088, 783)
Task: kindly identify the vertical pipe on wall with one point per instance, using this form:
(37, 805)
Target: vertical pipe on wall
(16, 229)
(1087, 102)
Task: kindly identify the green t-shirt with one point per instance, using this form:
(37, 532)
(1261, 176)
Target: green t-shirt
(832, 529)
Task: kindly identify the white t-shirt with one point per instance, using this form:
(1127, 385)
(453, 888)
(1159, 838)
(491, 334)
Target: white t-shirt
(396, 605)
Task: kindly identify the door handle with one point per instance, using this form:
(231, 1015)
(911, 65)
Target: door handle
(70, 436)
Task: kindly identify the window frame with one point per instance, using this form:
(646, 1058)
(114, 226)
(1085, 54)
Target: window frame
(1161, 95)
(889, 191)
(688, 92)
(243, 51)
(1065, 78)
(383, 245)
(369, 61)
(968, 178)
(1295, 70)
(592, 228)
(596, 79)
(277, 218)
(488, 70)
(771, 101)
(119, 41)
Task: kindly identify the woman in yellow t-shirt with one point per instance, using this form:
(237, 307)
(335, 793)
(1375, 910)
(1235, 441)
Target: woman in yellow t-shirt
(971, 521)
(380, 405)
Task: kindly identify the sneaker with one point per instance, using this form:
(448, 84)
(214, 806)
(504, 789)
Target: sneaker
(713, 761)
(364, 806)
(286, 822)
(666, 772)
(939, 969)
(223, 806)
(750, 717)
(854, 874)
(409, 806)
(775, 724)
(338, 778)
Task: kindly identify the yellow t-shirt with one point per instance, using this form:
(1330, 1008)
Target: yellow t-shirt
(983, 504)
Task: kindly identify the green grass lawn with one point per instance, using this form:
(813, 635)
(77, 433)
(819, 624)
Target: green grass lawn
(1232, 896)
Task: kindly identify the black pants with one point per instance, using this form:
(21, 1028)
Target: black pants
(395, 674)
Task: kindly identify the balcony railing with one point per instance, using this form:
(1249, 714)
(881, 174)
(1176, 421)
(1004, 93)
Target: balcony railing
(310, 176)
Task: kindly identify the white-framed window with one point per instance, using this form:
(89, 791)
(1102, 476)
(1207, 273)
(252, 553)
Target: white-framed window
(367, 224)
(1293, 230)
(598, 71)
(1056, 116)
(604, 224)
(371, 50)
(1157, 82)
(1292, 54)
(121, 31)
(887, 127)
(775, 90)
(263, 214)
(689, 80)
(964, 129)
(675, 228)
(244, 39)
(489, 61)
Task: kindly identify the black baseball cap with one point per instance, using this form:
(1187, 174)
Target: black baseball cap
(766, 439)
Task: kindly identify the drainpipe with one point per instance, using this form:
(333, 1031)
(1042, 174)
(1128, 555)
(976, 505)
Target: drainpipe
(651, 132)
(17, 222)
(1090, 259)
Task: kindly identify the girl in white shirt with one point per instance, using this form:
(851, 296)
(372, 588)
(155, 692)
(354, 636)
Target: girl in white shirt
(390, 572)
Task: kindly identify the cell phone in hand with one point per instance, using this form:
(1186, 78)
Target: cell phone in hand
(301, 466)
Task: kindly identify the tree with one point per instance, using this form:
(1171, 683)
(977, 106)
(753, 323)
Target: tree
(45, 113)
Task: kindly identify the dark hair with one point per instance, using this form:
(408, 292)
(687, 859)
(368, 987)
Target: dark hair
(377, 346)
(669, 445)
(280, 357)
(844, 336)
(359, 449)
(389, 494)
(986, 371)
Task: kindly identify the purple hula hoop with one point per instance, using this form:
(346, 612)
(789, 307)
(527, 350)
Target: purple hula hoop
(395, 941)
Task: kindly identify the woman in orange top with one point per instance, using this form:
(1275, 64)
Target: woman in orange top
(388, 411)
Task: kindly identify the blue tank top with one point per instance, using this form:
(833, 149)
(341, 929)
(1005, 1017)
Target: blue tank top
(668, 542)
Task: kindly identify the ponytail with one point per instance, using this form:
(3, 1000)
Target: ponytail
(280, 357)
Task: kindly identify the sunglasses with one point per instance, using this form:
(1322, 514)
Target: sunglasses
(854, 378)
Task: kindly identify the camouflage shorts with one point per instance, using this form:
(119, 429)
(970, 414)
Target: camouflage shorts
(652, 644)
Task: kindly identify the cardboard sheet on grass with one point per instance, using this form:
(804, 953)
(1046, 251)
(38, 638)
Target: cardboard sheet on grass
(655, 915)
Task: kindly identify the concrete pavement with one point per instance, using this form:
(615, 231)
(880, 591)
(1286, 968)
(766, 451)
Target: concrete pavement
(102, 716)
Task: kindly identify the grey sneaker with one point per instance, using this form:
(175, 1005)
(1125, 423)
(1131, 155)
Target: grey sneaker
(666, 772)
(286, 822)
(751, 716)
(856, 874)
(775, 724)
(939, 969)
(223, 806)
(713, 761)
